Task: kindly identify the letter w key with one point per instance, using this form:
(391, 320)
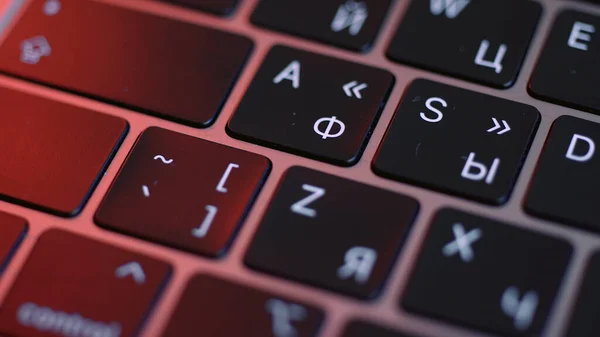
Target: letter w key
(452, 8)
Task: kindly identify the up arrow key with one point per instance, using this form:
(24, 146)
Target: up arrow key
(354, 88)
(132, 269)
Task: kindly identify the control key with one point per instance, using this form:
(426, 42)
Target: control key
(73, 286)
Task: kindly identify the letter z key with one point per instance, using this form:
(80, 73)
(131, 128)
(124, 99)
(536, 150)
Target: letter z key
(312, 105)
(331, 232)
(457, 141)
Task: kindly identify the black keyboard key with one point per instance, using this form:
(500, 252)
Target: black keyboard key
(219, 7)
(157, 65)
(218, 308)
(568, 166)
(457, 141)
(364, 329)
(54, 153)
(487, 274)
(567, 71)
(184, 192)
(351, 24)
(467, 39)
(312, 105)
(584, 321)
(331, 232)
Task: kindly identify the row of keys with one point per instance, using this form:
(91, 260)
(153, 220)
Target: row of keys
(199, 78)
(442, 137)
(482, 163)
(333, 125)
(349, 257)
(487, 55)
(496, 277)
(438, 35)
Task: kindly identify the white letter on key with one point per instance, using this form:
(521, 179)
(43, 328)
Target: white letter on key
(283, 315)
(301, 207)
(430, 107)
(481, 171)
(290, 73)
(358, 261)
(581, 158)
(522, 310)
(577, 35)
(497, 63)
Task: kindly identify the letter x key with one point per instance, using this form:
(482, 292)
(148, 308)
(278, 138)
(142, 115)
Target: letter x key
(462, 243)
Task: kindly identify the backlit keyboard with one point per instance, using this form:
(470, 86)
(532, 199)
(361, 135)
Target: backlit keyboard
(299, 168)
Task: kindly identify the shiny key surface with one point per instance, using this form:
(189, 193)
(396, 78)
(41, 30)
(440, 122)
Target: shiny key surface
(57, 152)
(331, 232)
(12, 232)
(215, 307)
(149, 63)
(74, 286)
(184, 192)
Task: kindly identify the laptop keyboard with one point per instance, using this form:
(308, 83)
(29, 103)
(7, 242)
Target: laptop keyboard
(291, 168)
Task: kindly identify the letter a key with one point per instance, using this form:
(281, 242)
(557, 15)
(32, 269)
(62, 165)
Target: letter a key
(312, 105)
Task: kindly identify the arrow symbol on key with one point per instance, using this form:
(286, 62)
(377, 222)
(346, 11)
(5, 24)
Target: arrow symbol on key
(132, 269)
(497, 126)
(354, 88)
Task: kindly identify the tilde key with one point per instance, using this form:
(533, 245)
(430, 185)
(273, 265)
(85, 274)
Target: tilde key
(312, 105)
(457, 141)
(183, 192)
